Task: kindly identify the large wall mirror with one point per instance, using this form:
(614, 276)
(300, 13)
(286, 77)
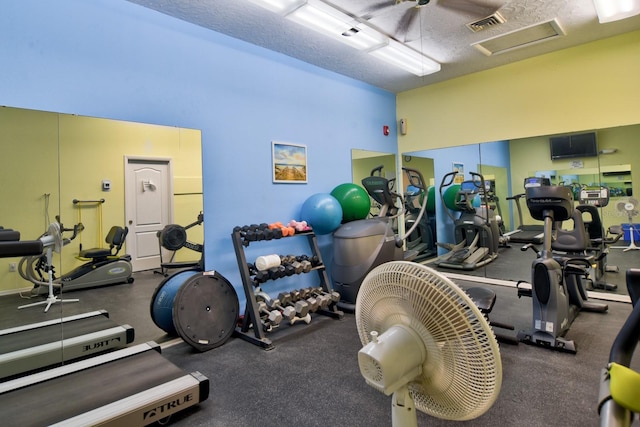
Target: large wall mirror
(365, 162)
(79, 169)
(505, 165)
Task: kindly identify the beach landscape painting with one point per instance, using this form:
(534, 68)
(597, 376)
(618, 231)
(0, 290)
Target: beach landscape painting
(289, 163)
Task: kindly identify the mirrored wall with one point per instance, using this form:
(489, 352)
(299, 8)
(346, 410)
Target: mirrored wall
(506, 164)
(73, 169)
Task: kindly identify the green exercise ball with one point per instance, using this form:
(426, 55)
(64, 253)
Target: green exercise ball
(354, 200)
(451, 198)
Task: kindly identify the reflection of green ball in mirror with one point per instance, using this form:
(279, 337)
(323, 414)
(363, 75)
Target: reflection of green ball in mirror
(354, 200)
(450, 197)
(431, 200)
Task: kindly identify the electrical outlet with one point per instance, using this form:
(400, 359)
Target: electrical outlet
(13, 267)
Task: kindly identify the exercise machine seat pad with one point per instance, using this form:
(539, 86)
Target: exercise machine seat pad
(16, 248)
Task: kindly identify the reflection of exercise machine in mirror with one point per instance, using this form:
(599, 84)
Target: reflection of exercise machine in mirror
(103, 266)
(590, 201)
(173, 237)
(34, 346)
(423, 238)
(477, 235)
(527, 233)
(51, 241)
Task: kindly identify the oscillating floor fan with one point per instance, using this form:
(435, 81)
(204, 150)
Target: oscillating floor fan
(426, 343)
(631, 209)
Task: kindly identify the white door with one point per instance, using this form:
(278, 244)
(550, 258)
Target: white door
(149, 207)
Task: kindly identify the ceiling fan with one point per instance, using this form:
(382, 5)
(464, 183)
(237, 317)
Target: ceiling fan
(472, 8)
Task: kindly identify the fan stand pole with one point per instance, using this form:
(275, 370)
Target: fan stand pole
(51, 298)
(403, 409)
(632, 246)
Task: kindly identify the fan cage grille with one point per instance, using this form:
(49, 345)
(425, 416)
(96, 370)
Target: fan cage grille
(462, 373)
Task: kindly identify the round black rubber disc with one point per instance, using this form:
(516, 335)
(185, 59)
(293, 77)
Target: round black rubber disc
(205, 310)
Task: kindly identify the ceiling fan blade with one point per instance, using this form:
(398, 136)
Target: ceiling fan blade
(473, 7)
(407, 21)
(372, 10)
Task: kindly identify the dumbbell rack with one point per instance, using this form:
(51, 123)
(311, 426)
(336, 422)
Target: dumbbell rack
(251, 319)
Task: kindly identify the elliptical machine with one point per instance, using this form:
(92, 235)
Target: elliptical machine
(423, 238)
(557, 281)
(477, 234)
(361, 245)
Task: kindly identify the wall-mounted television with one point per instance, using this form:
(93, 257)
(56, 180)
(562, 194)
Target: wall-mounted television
(570, 146)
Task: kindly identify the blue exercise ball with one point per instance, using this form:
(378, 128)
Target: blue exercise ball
(322, 212)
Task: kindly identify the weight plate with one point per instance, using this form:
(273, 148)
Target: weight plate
(205, 310)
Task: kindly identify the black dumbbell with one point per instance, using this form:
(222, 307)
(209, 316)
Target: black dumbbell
(276, 272)
(260, 276)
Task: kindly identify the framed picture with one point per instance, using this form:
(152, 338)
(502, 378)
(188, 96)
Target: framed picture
(459, 169)
(289, 163)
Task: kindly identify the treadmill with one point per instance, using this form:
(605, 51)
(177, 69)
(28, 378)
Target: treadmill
(134, 386)
(39, 345)
(527, 233)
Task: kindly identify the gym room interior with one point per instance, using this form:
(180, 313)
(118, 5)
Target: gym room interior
(91, 89)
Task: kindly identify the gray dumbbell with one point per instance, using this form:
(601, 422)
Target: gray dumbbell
(333, 295)
(274, 316)
(288, 312)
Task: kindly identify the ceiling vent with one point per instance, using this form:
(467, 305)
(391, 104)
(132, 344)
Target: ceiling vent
(523, 37)
(484, 23)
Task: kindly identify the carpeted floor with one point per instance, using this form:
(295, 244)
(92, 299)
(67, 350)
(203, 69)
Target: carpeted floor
(311, 377)
(514, 265)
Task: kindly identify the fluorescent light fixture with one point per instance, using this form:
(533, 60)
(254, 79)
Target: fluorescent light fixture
(332, 22)
(404, 57)
(281, 7)
(614, 10)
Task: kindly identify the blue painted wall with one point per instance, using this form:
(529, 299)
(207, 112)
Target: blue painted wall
(114, 59)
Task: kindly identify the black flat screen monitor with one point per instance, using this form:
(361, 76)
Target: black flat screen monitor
(571, 146)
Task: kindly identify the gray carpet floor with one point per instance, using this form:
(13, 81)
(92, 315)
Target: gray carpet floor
(311, 377)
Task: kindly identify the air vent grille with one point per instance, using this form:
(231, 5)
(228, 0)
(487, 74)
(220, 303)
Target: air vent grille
(523, 37)
(484, 23)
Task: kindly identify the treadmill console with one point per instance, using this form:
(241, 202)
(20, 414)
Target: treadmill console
(598, 197)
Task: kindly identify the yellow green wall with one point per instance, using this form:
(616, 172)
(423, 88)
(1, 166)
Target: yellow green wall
(529, 155)
(591, 86)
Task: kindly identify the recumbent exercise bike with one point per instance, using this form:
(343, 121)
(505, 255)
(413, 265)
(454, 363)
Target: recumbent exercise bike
(557, 279)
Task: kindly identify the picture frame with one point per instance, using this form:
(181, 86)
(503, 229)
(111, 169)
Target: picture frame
(289, 163)
(458, 167)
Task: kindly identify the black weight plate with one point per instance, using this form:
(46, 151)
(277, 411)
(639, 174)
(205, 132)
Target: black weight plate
(205, 310)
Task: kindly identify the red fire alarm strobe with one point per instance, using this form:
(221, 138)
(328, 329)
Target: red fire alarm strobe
(385, 130)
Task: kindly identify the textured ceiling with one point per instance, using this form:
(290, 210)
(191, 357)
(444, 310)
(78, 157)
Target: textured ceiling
(438, 30)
